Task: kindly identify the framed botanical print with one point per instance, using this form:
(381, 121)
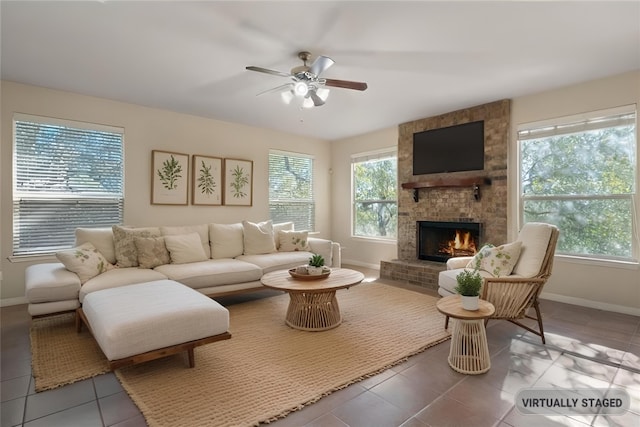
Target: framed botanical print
(169, 178)
(238, 182)
(206, 184)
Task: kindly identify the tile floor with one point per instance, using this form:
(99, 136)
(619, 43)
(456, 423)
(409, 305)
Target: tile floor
(586, 348)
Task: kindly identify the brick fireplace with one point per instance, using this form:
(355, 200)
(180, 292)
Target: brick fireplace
(459, 197)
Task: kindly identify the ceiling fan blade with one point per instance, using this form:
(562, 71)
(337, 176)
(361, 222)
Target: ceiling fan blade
(266, 70)
(346, 84)
(321, 64)
(317, 101)
(276, 89)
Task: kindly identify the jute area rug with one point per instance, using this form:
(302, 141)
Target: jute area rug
(266, 370)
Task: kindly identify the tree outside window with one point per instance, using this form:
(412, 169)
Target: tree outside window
(375, 202)
(67, 175)
(291, 189)
(581, 176)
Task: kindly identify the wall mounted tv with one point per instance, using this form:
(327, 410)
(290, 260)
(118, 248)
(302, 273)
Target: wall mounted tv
(450, 149)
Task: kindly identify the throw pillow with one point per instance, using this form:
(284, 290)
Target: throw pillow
(124, 240)
(258, 238)
(285, 226)
(152, 252)
(185, 248)
(226, 240)
(85, 261)
(290, 241)
(498, 260)
(201, 229)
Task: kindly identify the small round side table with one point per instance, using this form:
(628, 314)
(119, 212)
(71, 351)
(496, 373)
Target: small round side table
(469, 352)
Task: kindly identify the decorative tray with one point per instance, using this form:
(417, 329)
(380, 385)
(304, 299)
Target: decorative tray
(299, 276)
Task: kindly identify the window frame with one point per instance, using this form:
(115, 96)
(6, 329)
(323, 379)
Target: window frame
(311, 203)
(380, 154)
(113, 199)
(581, 123)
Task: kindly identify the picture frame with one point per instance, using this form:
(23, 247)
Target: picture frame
(206, 180)
(238, 182)
(169, 178)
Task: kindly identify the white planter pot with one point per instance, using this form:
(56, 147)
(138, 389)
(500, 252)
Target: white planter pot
(315, 271)
(469, 303)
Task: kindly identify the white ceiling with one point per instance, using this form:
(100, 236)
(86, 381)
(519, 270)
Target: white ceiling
(419, 58)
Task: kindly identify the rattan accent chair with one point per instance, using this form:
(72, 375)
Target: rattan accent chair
(515, 296)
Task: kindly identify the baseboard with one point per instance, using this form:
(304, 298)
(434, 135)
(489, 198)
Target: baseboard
(6, 302)
(360, 264)
(591, 304)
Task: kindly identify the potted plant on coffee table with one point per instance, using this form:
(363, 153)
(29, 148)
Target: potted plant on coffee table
(316, 265)
(469, 285)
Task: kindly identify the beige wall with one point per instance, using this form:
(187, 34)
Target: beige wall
(356, 250)
(147, 129)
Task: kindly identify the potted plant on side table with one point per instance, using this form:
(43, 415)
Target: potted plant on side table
(316, 265)
(469, 285)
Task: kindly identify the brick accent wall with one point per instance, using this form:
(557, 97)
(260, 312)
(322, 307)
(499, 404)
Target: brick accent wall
(451, 203)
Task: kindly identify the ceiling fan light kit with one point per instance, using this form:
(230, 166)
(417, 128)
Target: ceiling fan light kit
(306, 83)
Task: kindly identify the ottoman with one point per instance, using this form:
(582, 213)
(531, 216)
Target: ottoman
(137, 323)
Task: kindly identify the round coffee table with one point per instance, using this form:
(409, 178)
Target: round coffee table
(312, 303)
(469, 352)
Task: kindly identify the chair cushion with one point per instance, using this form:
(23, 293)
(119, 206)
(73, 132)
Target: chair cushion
(447, 278)
(535, 238)
(50, 282)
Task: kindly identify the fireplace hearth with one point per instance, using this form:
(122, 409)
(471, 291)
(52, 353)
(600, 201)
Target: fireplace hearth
(438, 241)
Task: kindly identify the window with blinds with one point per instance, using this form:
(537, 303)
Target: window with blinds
(580, 173)
(66, 175)
(375, 202)
(291, 189)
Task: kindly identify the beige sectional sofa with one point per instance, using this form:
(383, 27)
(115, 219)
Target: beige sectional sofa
(214, 259)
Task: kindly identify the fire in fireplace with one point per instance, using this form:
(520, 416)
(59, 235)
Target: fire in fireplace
(439, 241)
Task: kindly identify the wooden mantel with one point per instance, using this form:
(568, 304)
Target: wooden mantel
(467, 181)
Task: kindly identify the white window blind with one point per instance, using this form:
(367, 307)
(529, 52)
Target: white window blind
(66, 175)
(291, 189)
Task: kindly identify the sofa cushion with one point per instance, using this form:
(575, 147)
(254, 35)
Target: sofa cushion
(277, 260)
(497, 260)
(185, 248)
(211, 272)
(152, 252)
(258, 238)
(289, 241)
(124, 241)
(202, 230)
(101, 238)
(50, 282)
(84, 260)
(119, 277)
(226, 240)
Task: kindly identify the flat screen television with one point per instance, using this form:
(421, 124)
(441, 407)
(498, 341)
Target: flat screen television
(450, 149)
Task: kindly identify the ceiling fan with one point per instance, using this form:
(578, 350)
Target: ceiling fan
(306, 82)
